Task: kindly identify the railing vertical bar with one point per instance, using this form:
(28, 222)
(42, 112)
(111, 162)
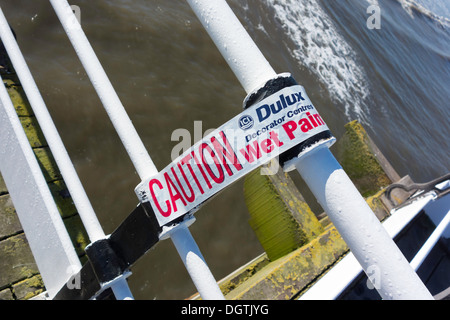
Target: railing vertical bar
(108, 96)
(195, 264)
(50, 132)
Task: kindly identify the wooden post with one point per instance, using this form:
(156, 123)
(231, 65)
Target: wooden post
(363, 161)
(279, 215)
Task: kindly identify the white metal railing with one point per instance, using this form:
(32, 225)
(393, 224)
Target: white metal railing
(51, 134)
(331, 186)
(108, 96)
(81, 201)
(181, 236)
(183, 241)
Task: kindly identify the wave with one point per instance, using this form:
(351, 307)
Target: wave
(427, 9)
(320, 47)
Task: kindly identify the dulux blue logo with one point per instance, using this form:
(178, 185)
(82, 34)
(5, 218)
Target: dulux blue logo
(246, 122)
(283, 102)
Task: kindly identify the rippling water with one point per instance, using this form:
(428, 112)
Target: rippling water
(168, 74)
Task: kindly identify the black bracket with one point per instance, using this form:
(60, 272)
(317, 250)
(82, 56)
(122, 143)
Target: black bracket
(111, 257)
(107, 265)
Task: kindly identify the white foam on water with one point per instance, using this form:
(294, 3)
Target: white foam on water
(435, 9)
(321, 48)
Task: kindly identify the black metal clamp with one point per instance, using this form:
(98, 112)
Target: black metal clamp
(112, 257)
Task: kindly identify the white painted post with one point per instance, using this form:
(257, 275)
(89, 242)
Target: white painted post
(59, 152)
(193, 260)
(50, 132)
(40, 219)
(121, 290)
(346, 208)
(108, 96)
(359, 227)
(131, 140)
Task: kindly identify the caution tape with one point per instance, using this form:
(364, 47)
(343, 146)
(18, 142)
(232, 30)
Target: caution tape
(274, 125)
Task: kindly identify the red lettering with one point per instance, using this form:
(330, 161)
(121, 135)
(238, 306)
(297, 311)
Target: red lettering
(319, 119)
(274, 136)
(185, 160)
(289, 127)
(192, 196)
(310, 117)
(155, 201)
(266, 146)
(174, 196)
(305, 125)
(252, 152)
(201, 170)
(221, 176)
(228, 153)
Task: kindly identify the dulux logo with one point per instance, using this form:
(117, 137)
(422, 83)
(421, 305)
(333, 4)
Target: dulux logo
(246, 122)
(283, 102)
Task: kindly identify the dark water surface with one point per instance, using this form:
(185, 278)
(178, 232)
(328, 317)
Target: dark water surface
(168, 74)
